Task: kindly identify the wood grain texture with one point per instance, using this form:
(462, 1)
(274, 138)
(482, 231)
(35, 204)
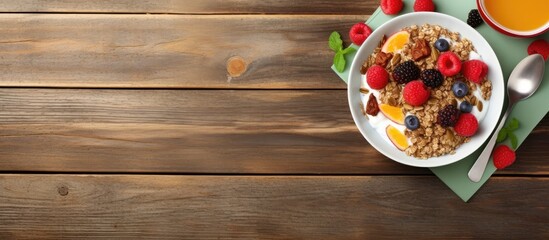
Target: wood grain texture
(193, 6)
(169, 51)
(184, 131)
(201, 207)
(198, 131)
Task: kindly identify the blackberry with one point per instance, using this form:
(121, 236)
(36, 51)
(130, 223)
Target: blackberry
(432, 78)
(448, 116)
(474, 19)
(406, 72)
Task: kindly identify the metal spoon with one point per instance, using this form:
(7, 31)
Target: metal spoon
(523, 82)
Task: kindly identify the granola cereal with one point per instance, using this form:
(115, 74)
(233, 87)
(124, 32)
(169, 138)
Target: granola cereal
(430, 139)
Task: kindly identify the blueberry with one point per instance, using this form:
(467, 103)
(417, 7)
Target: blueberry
(460, 89)
(411, 122)
(465, 107)
(442, 45)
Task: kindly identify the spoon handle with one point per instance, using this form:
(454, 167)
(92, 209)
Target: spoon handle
(476, 172)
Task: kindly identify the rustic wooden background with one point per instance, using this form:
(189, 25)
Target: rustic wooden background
(215, 119)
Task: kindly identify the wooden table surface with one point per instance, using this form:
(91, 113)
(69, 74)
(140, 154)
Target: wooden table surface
(215, 119)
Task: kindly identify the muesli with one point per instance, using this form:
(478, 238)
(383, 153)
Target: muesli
(425, 89)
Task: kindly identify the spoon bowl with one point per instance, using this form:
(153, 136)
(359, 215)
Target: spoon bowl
(523, 82)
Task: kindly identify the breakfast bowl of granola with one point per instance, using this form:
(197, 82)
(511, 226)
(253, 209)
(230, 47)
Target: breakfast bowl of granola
(425, 89)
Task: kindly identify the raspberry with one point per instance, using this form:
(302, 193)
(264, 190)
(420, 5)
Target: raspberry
(415, 93)
(474, 70)
(449, 64)
(424, 6)
(377, 77)
(540, 46)
(359, 32)
(466, 125)
(474, 19)
(448, 116)
(406, 72)
(432, 78)
(391, 7)
(503, 156)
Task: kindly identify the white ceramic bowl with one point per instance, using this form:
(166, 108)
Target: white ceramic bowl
(486, 126)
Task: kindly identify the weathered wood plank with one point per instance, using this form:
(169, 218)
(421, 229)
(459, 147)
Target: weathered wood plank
(192, 6)
(169, 51)
(202, 207)
(198, 131)
(183, 131)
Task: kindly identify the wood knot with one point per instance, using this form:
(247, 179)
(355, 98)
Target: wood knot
(236, 66)
(63, 190)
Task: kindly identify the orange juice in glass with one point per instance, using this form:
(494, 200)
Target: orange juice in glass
(519, 18)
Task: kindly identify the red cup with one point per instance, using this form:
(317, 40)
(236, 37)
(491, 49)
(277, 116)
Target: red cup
(508, 31)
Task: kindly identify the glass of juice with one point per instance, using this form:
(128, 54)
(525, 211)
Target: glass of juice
(524, 18)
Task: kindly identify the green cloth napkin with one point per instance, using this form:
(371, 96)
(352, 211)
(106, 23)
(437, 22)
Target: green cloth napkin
(509, 51)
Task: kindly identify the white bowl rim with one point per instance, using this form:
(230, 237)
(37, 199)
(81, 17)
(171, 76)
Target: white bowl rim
(496, 105)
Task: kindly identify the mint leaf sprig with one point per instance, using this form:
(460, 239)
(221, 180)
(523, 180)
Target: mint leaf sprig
(336, 44)
(508, 131)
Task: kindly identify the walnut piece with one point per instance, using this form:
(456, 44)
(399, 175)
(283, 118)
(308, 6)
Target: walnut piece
(383, 58)
(421, 49)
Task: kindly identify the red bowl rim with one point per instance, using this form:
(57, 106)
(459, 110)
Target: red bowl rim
(492, 23)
